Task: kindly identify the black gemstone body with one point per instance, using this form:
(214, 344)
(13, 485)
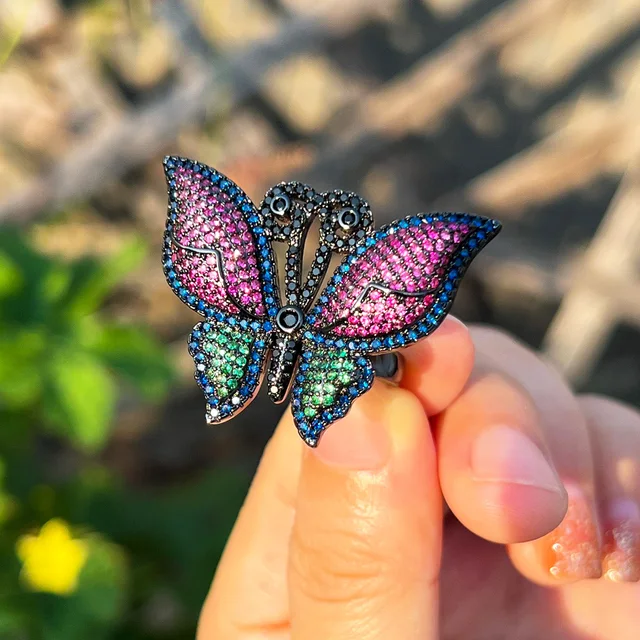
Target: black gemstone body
(289, 319)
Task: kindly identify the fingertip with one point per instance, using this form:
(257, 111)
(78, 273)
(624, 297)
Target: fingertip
(437, 369)
(386, 419)
(517, 513)
(507, 511)
(516, 485)
(495, 473)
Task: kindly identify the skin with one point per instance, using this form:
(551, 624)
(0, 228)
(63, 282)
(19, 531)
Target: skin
(538, 534)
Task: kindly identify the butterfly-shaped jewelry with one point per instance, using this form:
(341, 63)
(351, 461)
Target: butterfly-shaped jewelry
(393, 287)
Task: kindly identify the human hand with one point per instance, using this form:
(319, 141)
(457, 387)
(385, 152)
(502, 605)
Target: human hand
(349, 541)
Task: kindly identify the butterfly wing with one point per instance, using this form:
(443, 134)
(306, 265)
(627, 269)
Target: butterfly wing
(327, 383)
(217, 256)
(229, 359)
(393, 289)
(398, 285)
(218, 260)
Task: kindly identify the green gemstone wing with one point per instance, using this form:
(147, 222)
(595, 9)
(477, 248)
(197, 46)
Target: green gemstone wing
(327, 383)
(229, 357)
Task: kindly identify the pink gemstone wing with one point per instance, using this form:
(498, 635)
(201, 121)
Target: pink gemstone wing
(398, 285)
(216, 256)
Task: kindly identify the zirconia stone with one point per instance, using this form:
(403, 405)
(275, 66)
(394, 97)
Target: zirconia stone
(229, 348)
(328, 375)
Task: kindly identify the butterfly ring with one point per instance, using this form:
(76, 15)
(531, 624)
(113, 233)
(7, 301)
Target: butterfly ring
(323, 345)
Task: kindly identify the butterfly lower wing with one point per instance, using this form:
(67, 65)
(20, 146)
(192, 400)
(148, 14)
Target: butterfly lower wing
(398, 285)
(327, 383)
(229, 357)
(217, 256)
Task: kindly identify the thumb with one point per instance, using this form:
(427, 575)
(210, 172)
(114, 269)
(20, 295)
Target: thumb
(365, 547)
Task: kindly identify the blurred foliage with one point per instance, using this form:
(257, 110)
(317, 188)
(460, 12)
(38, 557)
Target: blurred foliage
(60, 360)
(119, 560)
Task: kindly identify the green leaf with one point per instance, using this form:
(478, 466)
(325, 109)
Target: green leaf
(55, 283)
(29, 302)
(133, 353)
(82, 398)
(102, 584)
(11, 623)
(8, 504)
(10, 277)
(92, 280)
(22, 356)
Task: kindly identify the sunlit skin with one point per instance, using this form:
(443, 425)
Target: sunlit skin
(538, 534)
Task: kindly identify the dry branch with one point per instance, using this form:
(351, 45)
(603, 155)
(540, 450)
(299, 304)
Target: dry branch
(137, 136)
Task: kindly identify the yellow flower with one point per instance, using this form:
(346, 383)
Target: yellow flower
(52, 559)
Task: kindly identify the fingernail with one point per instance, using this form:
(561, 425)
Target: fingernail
(360, 440)
(455, 320)
(382, 427)
(572, 550)
(451, 323)
(504, 454)
(621, 542)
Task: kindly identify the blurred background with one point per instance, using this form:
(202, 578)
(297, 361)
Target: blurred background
(115, 498)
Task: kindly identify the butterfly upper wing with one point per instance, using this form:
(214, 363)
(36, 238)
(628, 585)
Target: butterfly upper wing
(217, 256)
(393, 289)
(398, 285)
(218, 260)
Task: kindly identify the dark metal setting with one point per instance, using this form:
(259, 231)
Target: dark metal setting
(289, 319)
(280, 204)
(348, 219)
